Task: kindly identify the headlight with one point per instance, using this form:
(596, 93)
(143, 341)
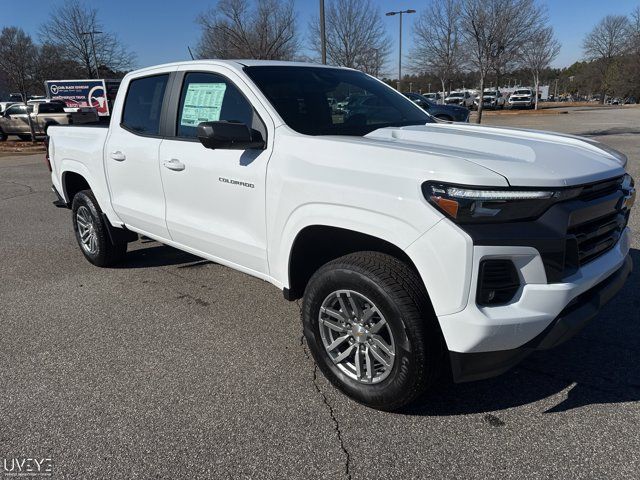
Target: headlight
(465, 204)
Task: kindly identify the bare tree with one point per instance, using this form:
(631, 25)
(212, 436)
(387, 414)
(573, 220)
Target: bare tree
(608, 40)
(436, 40)
(51, 65)
(17, 59)
(634, 35)
(538, 53)
(355, 36)
(491, 28)
(73, 30)
(234, 29)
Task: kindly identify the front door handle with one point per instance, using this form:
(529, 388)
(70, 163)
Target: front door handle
(118, 156)
(174, 164)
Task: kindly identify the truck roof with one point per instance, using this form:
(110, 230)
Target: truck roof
(238, 64)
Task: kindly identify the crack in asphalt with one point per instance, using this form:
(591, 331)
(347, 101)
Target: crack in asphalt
(325, 400)
(30, 191)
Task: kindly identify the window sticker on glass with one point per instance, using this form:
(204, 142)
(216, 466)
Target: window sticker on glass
(202, 103)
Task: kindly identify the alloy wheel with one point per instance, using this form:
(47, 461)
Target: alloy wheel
(356, 336)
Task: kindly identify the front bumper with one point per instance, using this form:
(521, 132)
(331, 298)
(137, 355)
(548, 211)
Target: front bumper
(520, 103)
(478, 329)
(479, 365)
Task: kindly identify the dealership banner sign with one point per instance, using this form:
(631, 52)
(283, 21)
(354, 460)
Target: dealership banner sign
(80, 93)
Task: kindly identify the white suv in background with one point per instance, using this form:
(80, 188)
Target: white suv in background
(462, 98)
(522, 98)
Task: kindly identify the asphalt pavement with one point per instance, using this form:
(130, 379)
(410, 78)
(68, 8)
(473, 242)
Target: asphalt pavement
(173, 367)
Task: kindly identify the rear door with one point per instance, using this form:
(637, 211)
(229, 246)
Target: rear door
(131, 156)
(216, 198)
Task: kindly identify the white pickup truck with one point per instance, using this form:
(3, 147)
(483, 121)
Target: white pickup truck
(419, 248)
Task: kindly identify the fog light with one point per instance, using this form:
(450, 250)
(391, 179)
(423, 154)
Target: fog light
(498, 282)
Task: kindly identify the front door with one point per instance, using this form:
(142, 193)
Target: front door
(215, 198)
(16, 120)
(131, 157)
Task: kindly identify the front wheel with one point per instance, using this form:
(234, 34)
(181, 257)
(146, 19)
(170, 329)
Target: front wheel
(25, 138)
(92, 234)
(3, 136)
(371, 330)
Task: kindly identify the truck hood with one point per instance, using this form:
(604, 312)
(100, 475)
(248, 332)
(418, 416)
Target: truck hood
(523, 157)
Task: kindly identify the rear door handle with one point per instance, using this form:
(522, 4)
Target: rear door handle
(174, 164)
(118, 156)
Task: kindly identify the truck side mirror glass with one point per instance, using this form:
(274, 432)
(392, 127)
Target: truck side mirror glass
(229, 136)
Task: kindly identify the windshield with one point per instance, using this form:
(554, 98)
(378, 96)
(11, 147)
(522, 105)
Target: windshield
(489, 93)
(327, 101)
(522, 92)
(456, 94)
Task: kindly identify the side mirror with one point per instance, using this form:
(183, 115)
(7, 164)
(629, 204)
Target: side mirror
(229, 136)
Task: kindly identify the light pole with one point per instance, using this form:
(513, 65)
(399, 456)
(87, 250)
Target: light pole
(93, 47)
(390, 14)
(323, 37)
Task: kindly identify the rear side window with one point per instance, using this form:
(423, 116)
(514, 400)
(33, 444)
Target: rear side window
(208, 97)
(51, 108)
(143, 104)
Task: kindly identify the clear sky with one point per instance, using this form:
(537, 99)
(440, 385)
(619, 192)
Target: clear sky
(159, 31)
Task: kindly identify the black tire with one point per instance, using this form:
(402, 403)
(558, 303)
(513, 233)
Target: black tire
(25, 138)
(398, 293)
(3, 136)
(444, 117)
(106, 252)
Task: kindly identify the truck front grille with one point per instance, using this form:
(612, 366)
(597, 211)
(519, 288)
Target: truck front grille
(598, 236)
(596, 223)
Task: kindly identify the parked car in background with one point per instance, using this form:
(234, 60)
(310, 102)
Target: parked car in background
(630, 101)
(464, 99)
(522, 98)
(373, 107)
(434, 97)
(14, 121)
(5, 105)
(492, 98)
(451, 113)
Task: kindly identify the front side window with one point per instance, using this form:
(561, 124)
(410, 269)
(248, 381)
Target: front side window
(208, 97)
(18, 110)
(329, 101)
(143, 104)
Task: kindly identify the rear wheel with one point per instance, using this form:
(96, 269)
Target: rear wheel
(92, 232)
(3, 136)
(25, 138)
(371, 330)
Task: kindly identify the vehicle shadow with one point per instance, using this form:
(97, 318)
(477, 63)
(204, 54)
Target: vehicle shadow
(159, 255)
(599, 365)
